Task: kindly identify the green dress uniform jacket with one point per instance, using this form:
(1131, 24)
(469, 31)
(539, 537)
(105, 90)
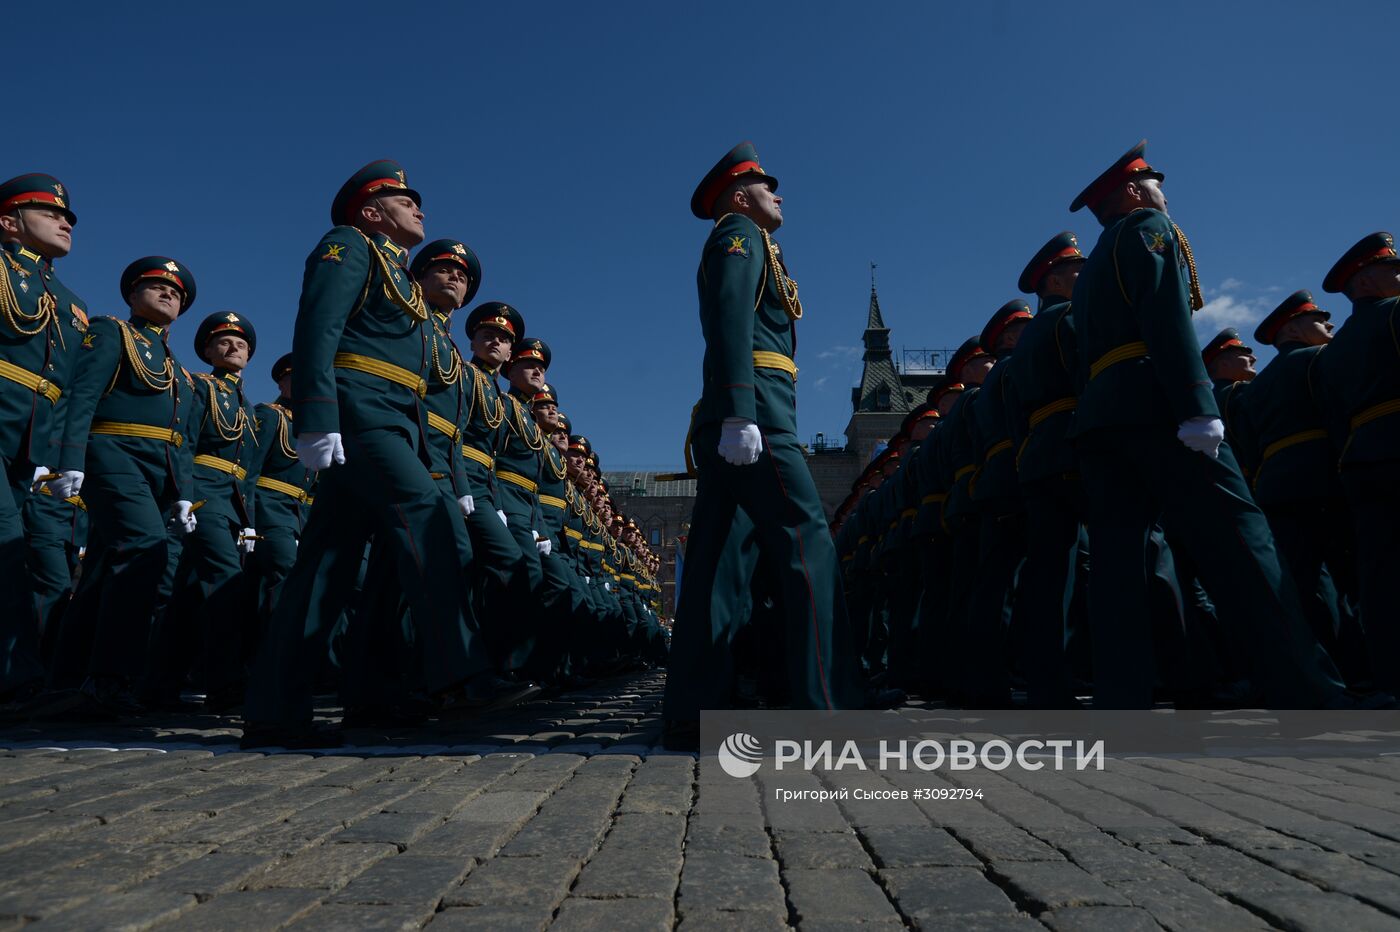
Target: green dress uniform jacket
(1140, 374)
(283, 501)
(130, 408)
(1359, 378)
(41, 325)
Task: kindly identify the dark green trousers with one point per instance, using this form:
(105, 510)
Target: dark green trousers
(19, 627)
(769, 508)
(1053, 510)
(1375, 510)
(57, 530)
(383, 490)
(1133, 478)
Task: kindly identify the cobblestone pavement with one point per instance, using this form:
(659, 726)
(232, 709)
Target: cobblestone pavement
(565, 814)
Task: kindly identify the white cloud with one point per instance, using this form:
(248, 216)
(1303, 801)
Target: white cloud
(1231, 284)
(821, 381)
(1228, 311)
(841, 352)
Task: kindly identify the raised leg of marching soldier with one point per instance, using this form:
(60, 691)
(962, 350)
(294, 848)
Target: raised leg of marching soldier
(57, 531)
(19, 634)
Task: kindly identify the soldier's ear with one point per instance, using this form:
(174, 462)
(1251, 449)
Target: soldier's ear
(10, 224)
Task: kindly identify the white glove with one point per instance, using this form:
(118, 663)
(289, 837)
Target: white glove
(184, 514)
(39, 473)
(1202, 434)
(740, 443)
(607, 587)
(67, 484)
(502, 515)
(468, 506)
(588, 580)
(317, 450)
(543, 544)
(247, 539)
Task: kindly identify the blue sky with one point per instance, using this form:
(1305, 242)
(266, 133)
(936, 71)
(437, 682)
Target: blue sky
(562, 142)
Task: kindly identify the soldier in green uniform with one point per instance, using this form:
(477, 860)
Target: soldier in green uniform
(1281, 430)
(41, 324)
(1359, 381)
(935, 543)
(57, 533)
(1038, 388)
(1150, 438)
(749, 461)
(996, 497)
(905, 661)
(124, 439)
(284, 493)
(1230, 365)
(211, 618)
(362, 350)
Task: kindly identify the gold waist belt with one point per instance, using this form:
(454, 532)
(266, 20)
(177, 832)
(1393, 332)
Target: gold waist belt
(1114, 356)
(72, 499)
(472, 453)
(222, 465)
(1000, 446)
(35, 383)
(930, 499)
(1054, 407)
(576, 535)
(1303, 436)
(123, 429)
(966, 470)
(442, 425)
(286, 488)
(1375, 411)
(762, 359)
(590, 545)
(553, 502)
(517, 479)
(383, 370)
(908, 513)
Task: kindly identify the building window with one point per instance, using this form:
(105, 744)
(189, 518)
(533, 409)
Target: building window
(654, 537)
(882, 399)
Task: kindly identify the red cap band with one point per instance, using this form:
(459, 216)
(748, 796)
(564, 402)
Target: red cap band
(717, 187)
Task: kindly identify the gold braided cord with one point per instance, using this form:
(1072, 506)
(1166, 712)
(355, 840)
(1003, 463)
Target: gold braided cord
(525, 428)
(787, 288)
(413, 305)
(1197, 302)
(550, 455)
(156, 381)
(492, 419)
(284, 437)
(226, 430)
(26, 325)
(453, 373)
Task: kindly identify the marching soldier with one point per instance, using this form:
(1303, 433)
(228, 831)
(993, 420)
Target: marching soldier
(284, 492)
(935, 542)
(1149, 437)
(1359, 379)
(361, 351)
(749, 461)
(1230, 365)
(41, 324)
(1038, 386)
(124, 440)
(210, 585)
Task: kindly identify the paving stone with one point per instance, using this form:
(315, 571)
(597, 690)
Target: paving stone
(124, 911)
(1182, 906)
(513, 806)
(1340, 873)
(325, 867)
(1046, 885)
(506, 881)
(464, 840)
(716, 881)
(337, 917)
(1011, 844)
(709, 920)
(672, 798)
(1100, 919)
(737, 840)
(398, 828)
(251, 909)
(213, 873)
(1106, 857)
(927, 893)
(580, 915)
(864, 925)
(820, 850)
(916, 846)
(114, 869)
(23, 831)
(640, 857)
(842, 894)
(407, 879)
(494, 918)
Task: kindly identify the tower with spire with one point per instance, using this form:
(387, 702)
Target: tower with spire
(880, 401)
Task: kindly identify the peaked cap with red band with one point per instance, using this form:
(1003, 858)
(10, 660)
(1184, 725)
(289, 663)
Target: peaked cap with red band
(578, 443)
(566, 425)
(1062, 247)
(376, 179)
(283, 366)
(929, 409)
(532, 349)
(1299, 302)
(545, 396)
(224, 322)
(944, 386)
(1227, 339)
(971, 348)
(1378, 247)
(165, 269)
(36, 190)
(449, 250)
(1131, 165)
(739, 161)
(499, 315)
(1013, 310)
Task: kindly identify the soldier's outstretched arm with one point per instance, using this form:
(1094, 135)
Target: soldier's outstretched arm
(336, 272)
(99, 355)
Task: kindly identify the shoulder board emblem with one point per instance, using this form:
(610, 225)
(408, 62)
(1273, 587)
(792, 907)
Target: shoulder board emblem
(1155, 241)
(333, 252)
(738, 246)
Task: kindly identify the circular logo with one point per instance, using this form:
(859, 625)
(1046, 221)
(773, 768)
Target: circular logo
(740, 755)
